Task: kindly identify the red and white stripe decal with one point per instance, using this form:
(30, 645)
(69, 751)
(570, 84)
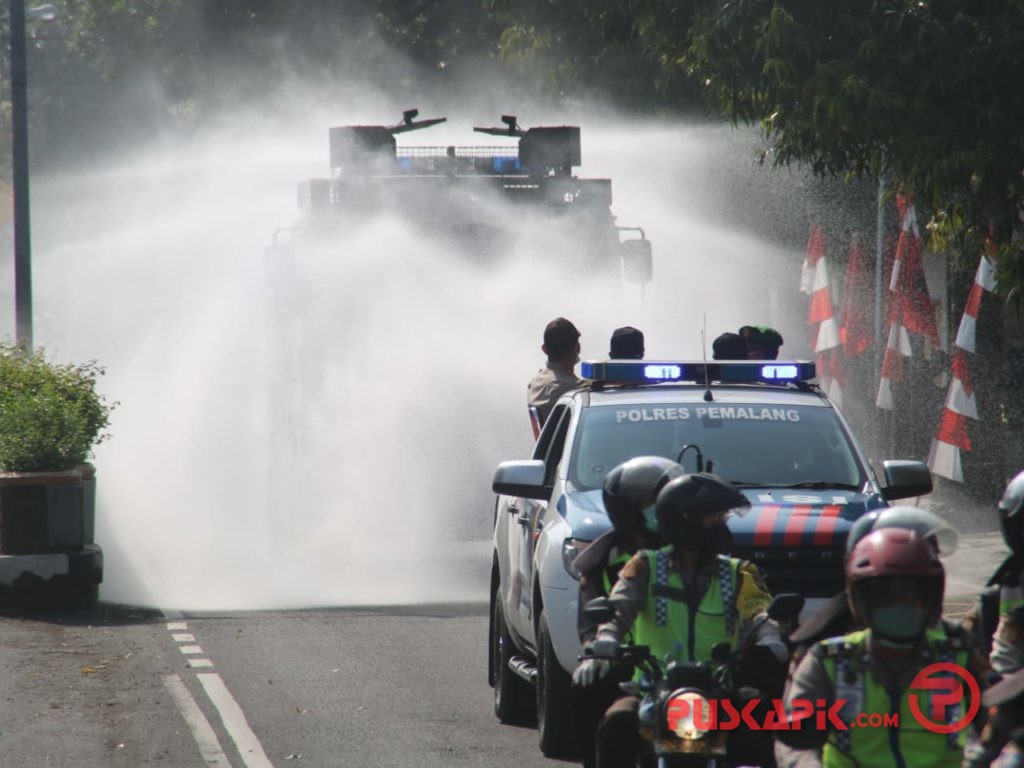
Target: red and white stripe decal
(825, 530)
(795, 526)
(766, 525)
(793, 522)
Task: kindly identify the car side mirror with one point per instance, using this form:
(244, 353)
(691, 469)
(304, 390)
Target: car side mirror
(637, 261)
(522, 479)
(904, 479)
(786, 607)
(600, 610)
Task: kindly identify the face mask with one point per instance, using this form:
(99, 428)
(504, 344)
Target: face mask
(717, 539)
(650, 520)
(898, 623)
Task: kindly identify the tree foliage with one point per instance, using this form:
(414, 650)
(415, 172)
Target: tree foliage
(924, 94)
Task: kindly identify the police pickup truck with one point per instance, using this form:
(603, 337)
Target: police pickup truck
(762, 425)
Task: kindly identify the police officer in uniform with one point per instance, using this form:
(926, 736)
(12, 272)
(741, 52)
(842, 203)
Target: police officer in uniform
(834, 617)
(1008, 643)
(996, 622)
(762, 342)
(895, 586)
(1005, 701)
(729, 346)
(562, 346)
(630, 491)
(626, 343)
(659, 590)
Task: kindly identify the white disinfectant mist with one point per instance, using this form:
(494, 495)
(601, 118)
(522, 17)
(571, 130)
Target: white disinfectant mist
(411, 382)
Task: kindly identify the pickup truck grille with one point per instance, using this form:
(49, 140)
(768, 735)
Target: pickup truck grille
(809, 571)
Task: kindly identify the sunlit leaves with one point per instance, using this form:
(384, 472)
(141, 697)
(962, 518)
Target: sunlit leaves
(927, 93)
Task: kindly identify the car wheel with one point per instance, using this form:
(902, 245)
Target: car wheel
(513, 699)
(555, 717)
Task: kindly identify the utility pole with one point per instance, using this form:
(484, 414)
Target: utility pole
(19, 148)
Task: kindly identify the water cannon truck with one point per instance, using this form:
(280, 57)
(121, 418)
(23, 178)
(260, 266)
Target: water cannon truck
(489, 198)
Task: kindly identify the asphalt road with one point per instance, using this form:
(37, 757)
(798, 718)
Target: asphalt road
(367, 688)
(337, 687)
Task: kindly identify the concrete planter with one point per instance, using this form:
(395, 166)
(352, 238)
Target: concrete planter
(47, 526)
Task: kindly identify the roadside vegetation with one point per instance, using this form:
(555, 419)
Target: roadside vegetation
(925, 96)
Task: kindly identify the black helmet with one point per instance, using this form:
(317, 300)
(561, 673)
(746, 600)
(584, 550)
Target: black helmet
(687, 500)
(1011, 514)
(633, 486)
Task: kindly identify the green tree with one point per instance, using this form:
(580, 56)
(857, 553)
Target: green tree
(598, 47)
(926, 95)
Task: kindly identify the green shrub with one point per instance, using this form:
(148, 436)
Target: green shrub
(51, 415)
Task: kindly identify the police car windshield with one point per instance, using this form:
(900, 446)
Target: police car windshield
(753, 444)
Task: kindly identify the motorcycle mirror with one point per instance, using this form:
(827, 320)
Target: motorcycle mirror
(600, 610)
(786, 607)
(721, 652)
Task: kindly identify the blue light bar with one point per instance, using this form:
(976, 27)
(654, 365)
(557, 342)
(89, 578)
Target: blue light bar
(657, 372)
(775, 372)
(652, 372)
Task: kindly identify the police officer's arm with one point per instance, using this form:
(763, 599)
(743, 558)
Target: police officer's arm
(1007, 645)
(752, 605)
(988, 733)
(629, 596)
(800, 745)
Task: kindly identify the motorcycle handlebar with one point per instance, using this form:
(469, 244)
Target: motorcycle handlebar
(633, 654)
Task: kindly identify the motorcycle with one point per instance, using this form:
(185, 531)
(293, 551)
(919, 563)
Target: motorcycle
(679, 713)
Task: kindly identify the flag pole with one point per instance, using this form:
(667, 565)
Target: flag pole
(879, 269)
(19, 151)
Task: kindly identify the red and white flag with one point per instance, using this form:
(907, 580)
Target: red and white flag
(984, 280)
(815, 251)
(910, 306)
(824, 331)
(856, 333)
(951, 437)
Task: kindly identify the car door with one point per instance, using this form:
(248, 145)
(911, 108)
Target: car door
(529, 515)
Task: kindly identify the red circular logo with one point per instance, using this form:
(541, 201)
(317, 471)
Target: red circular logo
(945, 691)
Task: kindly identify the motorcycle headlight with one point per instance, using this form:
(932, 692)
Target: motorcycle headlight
(688, 715)
(570, 549)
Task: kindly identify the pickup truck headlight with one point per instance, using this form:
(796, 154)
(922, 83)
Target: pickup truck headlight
(570, 549)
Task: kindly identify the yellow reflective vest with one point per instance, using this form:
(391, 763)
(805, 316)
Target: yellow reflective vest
(668, 626)
(872, 744)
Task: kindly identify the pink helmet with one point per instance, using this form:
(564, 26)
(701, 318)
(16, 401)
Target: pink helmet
(893, 552)
(895, 584)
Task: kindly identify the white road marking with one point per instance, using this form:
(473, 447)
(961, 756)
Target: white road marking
(191, 649)
(176, 626)
(184, 637)
(196, 663)
(237, 726)
(202, 732)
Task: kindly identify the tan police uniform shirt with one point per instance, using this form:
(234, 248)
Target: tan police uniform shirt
(550, 383)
